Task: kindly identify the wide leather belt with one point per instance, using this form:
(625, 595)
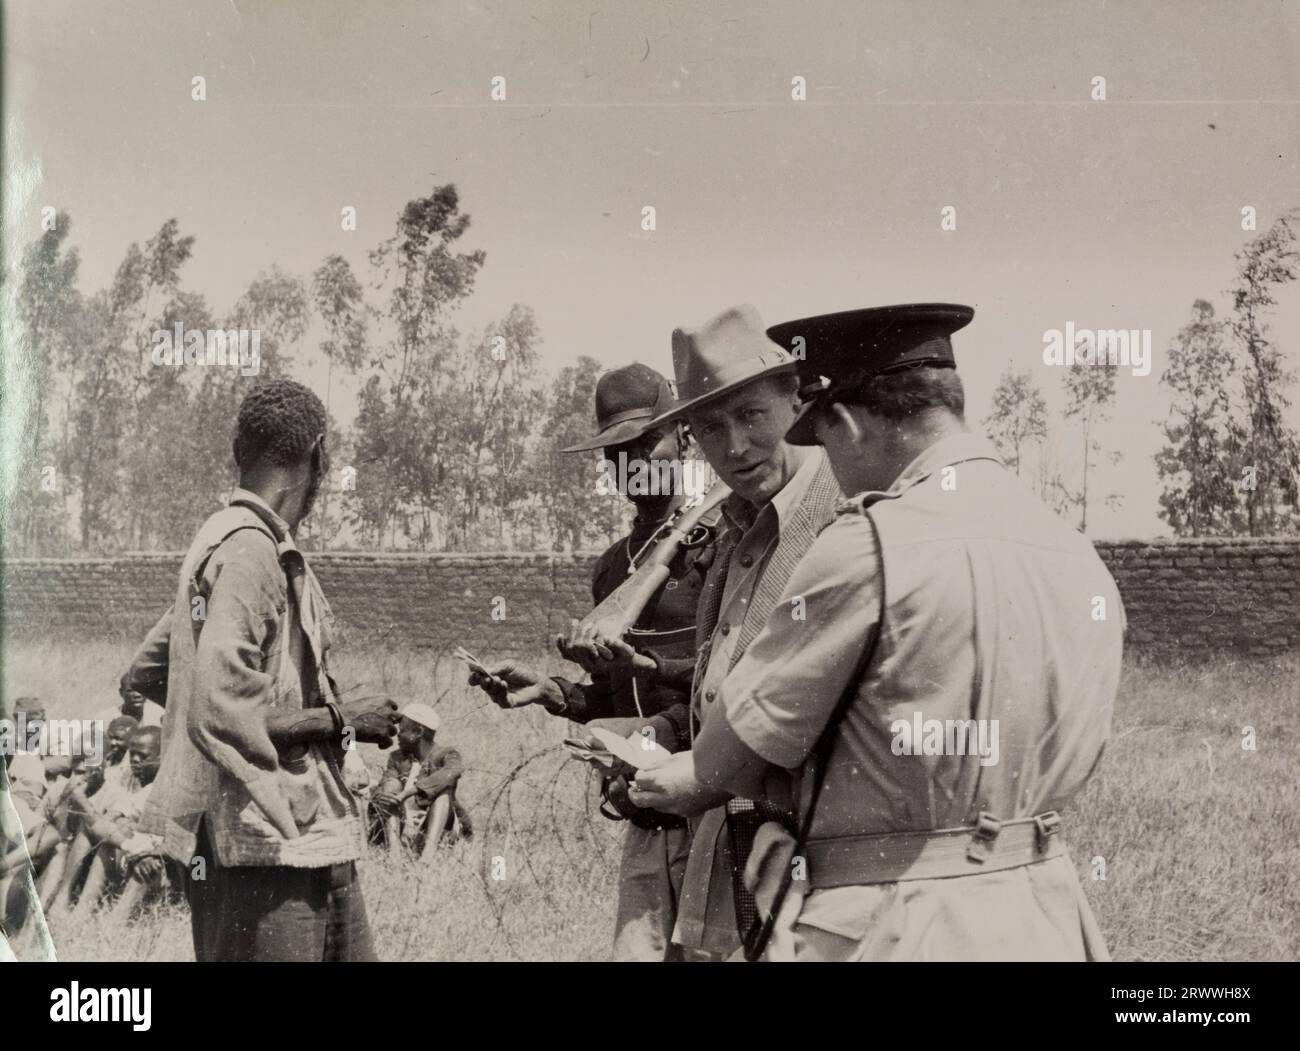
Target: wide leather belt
(892, 857)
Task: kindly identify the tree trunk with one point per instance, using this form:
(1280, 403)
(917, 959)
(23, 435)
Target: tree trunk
(1084, 527)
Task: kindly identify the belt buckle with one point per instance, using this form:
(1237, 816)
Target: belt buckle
(983, 838)
(1048, 825)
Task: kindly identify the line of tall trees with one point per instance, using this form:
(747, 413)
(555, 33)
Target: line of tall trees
(1018, 427)
(455, 440)
(1230, 462)
(454, 444)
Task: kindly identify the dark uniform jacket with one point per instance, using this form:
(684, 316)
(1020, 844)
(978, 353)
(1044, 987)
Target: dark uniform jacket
(666, 627)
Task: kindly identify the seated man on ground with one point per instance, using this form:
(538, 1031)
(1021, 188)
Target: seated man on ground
(37, 781)
(62, 871)
(19, 839)
(26, 765)
(23, 933)
(134, 704)
(416, 799)
(125, 859)
(115, 772)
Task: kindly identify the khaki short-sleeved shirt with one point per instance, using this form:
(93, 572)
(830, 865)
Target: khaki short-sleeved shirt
(991, 687)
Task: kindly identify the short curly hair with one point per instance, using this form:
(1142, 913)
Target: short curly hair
(279, 422)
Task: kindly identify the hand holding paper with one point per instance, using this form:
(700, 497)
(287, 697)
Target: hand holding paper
(638, 751)
(671, 786)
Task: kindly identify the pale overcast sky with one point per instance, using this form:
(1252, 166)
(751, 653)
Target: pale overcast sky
(1114, 214)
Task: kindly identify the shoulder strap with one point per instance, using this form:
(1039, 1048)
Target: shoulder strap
(273, 527)
(756, 938)
(203, 563)
(293, 581)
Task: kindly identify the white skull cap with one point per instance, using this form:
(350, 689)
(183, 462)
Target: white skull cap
(422, 714)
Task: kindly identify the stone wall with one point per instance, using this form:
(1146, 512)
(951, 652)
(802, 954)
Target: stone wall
(1203, 597)
(433, 600)
(1190, 597)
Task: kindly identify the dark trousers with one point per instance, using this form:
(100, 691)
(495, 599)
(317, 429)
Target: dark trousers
(277, 913)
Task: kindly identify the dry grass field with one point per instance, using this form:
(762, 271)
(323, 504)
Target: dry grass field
(1198, 835)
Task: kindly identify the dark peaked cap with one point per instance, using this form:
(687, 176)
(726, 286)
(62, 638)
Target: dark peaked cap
(855, 345)
(627, 400)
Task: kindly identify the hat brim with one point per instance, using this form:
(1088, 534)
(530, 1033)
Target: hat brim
(682, 408)
(802, 431)
(623, 431)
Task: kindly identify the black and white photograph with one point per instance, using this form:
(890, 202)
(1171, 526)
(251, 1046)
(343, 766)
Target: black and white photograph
(558, 482)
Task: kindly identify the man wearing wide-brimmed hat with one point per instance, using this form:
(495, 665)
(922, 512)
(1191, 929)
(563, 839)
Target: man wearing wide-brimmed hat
(644, 462)
(737, 390)
(948, 693)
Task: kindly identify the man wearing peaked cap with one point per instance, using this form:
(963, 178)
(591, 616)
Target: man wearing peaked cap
(644, 458)
(737, 390)
(878, 341)
(948, 692)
